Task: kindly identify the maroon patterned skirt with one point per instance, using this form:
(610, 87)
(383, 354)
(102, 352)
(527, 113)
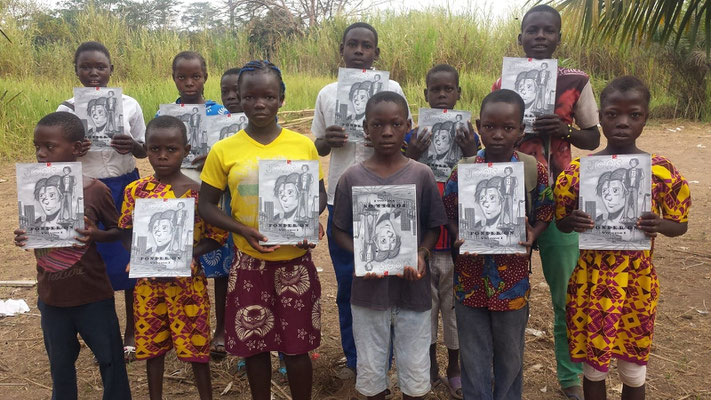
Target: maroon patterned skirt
(272, 306)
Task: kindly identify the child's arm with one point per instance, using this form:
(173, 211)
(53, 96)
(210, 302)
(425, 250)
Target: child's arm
(91, 233)
(213, 215)
(652, 224)
(577, 221)
(467, 140)
(335, 137)
(322, 197)
(418, 144)
(20, 237)
(423, 252)
(343, 239)
(125, 144)
(205, 246)
(552, 125)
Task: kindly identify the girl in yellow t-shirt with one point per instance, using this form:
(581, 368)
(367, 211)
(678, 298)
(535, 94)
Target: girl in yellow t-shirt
(273, 294)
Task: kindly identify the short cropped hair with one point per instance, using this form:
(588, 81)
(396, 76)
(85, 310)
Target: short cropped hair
(360, 25)
(231, 71)
(386, 96)
(625, 84)
(504, 96)
(167, 121)
(91, 46)
(442, 68)
(71, 125)
(190, 55)
(542, 8)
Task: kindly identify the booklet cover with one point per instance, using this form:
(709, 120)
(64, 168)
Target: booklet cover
(101, 111)
(355, 88)
(443, 125)
(384, 229)
(615, 191)
(194, 116)
(492, 208)
(162, 243)
(223, 126)
(288, 201)
(50, 203)
(535, 80)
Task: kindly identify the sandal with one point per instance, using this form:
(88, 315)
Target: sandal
(573, 392)
(454, 384)
(129, 354)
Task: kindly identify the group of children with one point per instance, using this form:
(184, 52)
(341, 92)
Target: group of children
(268, 298)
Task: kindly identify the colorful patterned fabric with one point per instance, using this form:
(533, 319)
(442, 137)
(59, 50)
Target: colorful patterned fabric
(272, 306)
(171, 312)
(574, 101)
(498, 282)
(612, 295)
(217, 263)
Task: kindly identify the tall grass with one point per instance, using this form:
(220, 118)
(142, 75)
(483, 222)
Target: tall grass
(37, 66)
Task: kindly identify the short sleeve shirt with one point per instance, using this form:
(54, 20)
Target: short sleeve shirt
(341, 157)
(233, 164)
(68, 276)
(107, 162)
(392, 291)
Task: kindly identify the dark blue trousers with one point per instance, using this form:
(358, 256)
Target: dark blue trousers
(98, 326)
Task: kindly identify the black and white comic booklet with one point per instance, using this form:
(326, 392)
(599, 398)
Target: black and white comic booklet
(615, 191)
(50, 203)
(443, 126)
(162, 243)
(355, 88)
(194, 116)
(384, 229)
(535, 81)
(222, 126)
(492, 208)
(288, 201)
(101, 111)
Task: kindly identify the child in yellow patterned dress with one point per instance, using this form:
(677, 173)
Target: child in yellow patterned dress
(613, 294)
(171, 312)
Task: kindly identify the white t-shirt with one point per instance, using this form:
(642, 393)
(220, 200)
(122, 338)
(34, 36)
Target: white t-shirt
(108, 163)
(350, 153)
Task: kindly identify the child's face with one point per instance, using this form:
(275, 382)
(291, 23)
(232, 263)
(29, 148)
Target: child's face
(260, 97)
(166, 150)
(613, 195)
(288, 197)
(386, 125)
(490, 202)
(442, 90)
(228, 87)
(52, 145)
(93, 68)
(540, 35)
(98, 115)
(162, 232)
(50, 199)
(358, 50)
(623, 117)
(526, 88)
(385, 236)
(500, 128)
(442, 141)
(189, 79)
(360, 99)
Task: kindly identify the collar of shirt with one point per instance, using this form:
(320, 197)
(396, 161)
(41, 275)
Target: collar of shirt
(481, 156)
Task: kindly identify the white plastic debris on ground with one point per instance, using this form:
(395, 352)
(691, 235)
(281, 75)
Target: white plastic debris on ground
(12, 307)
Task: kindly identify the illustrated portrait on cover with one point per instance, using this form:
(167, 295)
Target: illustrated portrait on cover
(535, 81)
(194, 117)
(101, 111)
(222, 126)
(443, 126)
(355, 88)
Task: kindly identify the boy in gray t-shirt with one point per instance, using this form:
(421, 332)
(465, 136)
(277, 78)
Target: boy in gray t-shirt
(379, 302)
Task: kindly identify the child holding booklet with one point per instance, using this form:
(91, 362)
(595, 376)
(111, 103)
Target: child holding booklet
(115, 166)
(175, 312)
(401, 303)
(618, 322)
(492, 291)
(273, 293)
(75, 295)
(552, 139)
(443, 91)
(358, 49)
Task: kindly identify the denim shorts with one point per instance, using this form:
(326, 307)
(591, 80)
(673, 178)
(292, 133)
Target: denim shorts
(409, 332)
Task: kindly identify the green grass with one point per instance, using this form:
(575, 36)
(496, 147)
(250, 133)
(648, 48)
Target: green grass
(37, 66)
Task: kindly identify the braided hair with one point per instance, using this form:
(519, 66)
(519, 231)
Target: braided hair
(262, 66)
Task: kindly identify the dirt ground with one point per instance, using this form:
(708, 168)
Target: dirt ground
(678, 367)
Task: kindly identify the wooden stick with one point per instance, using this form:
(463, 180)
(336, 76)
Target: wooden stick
(17, 283)
(13, 384)
(37, 383)
(664, 358)
(281, 391)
